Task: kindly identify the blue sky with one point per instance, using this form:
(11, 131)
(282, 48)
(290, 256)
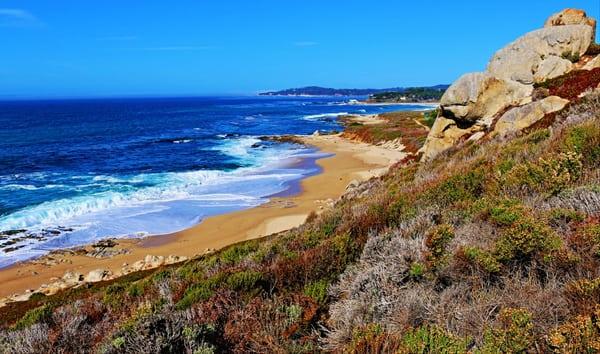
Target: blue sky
(74, 48)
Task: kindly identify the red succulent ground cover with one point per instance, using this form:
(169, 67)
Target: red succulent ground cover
(573, 84)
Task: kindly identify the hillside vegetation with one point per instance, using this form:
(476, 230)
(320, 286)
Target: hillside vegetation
(326, 91)
(492, 247)
(485, 239)
(411, 94)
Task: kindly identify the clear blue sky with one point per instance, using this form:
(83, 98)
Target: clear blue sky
(53, 48)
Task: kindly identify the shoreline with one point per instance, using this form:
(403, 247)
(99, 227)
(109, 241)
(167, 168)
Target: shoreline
(348, 161)
(426, 104)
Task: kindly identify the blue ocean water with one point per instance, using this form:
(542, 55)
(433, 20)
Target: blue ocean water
(75, 171)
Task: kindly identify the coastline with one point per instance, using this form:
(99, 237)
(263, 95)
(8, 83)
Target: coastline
(425, 104)
(349, 161)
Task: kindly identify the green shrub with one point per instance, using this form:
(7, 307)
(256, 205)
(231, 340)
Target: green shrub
(436, 241)
(584, 140)
(244, 280)
(506, 213)
(33, 316)
(524, 239)
(232, 255)
(459, 187)
(113, 295)
(432, 339)
(483, 259)
(37, 296)
(565, 215)
(200, 291)
(317, 291)
(416, 270)
(137, 288)
(549, 175)
(429, 117)
(515, 334)
(118, 342)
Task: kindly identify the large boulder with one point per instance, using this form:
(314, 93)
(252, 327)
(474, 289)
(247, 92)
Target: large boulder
(551, 68)
(444, 134)
(98, 275)
(522, 59)
(520, 118)
(478, 97)
(571, 17)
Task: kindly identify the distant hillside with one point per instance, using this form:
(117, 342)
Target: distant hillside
(324, 91)
(411, 94)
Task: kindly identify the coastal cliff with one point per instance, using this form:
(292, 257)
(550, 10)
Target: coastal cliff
(489, 243)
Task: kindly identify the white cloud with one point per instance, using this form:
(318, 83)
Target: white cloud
(305, 44)
(17, 18)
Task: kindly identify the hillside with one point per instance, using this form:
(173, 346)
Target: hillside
(485, 240)
(411, 94)
(324, 91)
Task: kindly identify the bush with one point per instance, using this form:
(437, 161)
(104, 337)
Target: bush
(432, 339)
(580, 335)
(459, 187)
(416, 270)
(585, 141)
(549, 175)
(42, 314)
(430, 117)
(232, 255)
(244, 280)
(201, 291)
(515, 334)
(525, 239)
(436, 241)
(317, 291)
(482, 259)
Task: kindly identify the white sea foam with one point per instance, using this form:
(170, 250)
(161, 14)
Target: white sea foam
(324, 116)
(169, 202)
(29, 187)
(183, 141)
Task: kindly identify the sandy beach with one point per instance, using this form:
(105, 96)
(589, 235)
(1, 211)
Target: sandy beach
(350, 161)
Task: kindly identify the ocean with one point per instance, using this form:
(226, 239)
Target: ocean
(76, 171)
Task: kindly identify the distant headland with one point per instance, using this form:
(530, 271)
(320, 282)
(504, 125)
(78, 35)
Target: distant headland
(395, 94)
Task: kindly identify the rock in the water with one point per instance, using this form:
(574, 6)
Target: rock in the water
(571, 17)
(98, 275)
(523, 117)
(521, 60)
(479, 96)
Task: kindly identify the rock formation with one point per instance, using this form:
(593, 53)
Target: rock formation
(502, 100)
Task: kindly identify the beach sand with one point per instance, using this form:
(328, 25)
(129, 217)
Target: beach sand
(351, 161)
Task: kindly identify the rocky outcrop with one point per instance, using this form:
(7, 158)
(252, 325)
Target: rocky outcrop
(97, 275)
(592, 64)
(571, 17)
(502, 99)
(522, 59)
(524, 117)
(477, 97)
